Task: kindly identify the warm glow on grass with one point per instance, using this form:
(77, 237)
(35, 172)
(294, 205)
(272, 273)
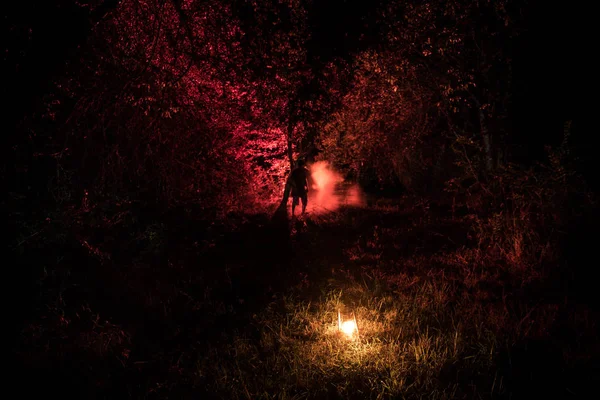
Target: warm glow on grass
(312, 344)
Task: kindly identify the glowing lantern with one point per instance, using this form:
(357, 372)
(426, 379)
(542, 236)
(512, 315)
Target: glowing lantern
(347, 325)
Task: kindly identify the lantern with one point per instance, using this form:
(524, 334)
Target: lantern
(347, 324)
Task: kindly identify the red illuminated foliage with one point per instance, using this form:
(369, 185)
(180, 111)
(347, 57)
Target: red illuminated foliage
(191, 100)
(210, 101)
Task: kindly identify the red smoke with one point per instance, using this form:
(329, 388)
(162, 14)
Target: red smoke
(328, 192)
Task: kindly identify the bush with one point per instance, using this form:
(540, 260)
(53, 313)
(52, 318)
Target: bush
(521, 214)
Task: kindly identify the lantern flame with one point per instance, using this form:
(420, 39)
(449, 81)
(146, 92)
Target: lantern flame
(348, 327)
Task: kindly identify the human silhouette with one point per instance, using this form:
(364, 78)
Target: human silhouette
(299, 183)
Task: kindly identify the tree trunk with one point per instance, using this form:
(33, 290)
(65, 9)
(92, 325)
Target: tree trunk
(290, 132)
(487, 145)
(487, 142)
(281, 211)
(286, 192)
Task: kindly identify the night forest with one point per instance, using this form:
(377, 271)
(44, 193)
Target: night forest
(155, 249)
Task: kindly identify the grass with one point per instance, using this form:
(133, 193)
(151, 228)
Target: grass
(426, 329)
(175, 308)
(402, 350)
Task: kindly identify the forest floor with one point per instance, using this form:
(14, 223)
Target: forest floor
(123, 303)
